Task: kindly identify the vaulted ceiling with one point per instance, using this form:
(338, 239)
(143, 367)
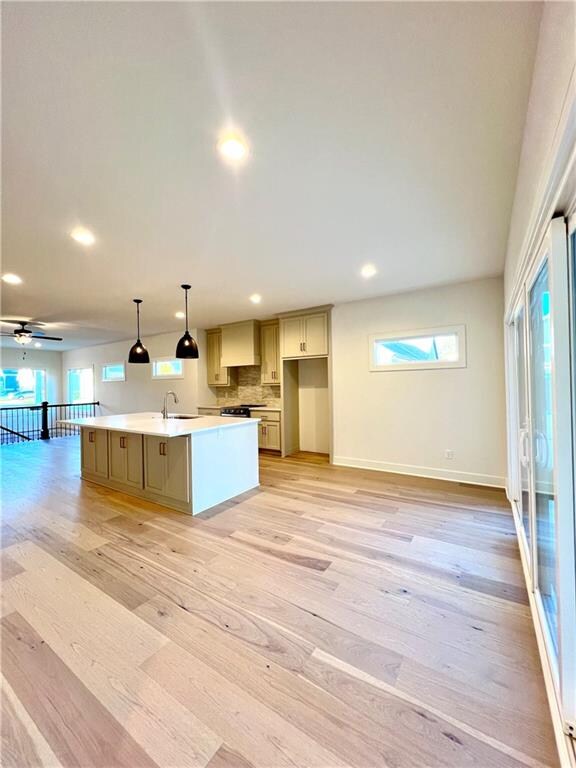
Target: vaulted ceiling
(379, 132)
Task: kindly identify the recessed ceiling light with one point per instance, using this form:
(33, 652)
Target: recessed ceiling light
(368, 271)
(12, 279)
(233, 148)
(83, 236)
(38, 344)
(255, 298)
(179, 315)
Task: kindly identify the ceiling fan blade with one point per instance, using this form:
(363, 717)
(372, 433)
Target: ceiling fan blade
(44, 338)
(22, 322)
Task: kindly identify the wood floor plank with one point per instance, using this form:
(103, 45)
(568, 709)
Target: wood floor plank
(103, 644)
(330, 617)
(38, 676)
(23, 746)
(245, 724)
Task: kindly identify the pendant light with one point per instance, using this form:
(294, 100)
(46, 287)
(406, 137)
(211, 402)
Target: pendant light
(138, 352)
(187, 347)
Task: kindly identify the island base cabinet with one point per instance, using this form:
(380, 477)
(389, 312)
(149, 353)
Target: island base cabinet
(94, 452)
(167, 467)
(125, 458)
(224, 464)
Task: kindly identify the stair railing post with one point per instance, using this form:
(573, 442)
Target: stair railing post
(44, 431)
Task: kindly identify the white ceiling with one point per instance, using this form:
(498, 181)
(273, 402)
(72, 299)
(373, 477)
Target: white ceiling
(387, 133)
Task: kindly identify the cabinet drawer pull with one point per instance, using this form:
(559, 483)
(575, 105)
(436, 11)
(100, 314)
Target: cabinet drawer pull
(122, 442)
(90, 437)
(162, 449)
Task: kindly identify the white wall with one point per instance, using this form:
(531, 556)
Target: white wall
(549, 95)
(51, 362)
(402, 421)
(314, 406)
(140, 392)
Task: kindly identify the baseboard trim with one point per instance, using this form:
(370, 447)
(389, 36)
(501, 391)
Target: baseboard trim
(564, 743)
(433, 473)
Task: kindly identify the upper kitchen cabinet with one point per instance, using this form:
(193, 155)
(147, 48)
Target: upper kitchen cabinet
(304, 335)
(270, 352)
(218, 374)
(241, 344)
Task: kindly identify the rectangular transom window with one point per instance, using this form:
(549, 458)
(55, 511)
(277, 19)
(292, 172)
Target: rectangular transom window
(167, 368)
(416, 350)
(113, 372)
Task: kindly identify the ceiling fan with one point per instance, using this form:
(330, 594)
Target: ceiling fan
(23, 335)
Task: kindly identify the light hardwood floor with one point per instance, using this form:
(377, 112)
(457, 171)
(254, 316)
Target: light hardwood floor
(332, 617)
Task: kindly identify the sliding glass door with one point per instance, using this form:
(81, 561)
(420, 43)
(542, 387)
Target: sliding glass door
(542, 446)
(542, 396)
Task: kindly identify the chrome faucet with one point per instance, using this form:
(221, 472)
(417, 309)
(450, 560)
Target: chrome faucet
(165, 409)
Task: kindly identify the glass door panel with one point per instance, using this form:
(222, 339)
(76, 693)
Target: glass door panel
(543, 447)
(523, 424)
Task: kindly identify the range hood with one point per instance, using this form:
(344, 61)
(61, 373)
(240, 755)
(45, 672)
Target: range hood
(240, 344)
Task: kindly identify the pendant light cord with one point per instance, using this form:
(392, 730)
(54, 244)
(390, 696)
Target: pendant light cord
(138, 320)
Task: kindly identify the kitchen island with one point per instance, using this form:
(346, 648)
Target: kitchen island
(188, 463)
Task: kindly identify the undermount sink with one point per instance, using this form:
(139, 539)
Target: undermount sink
(184, 417)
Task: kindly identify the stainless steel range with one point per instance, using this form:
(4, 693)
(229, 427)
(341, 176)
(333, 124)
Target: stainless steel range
(240, 411)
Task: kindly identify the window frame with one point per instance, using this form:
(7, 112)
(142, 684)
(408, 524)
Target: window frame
(163, 360)
(423, 365)
(44, 394)
(109, 365)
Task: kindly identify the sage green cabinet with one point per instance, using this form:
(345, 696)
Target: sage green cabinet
(304, 335)
(167, 467)
(218, 375)
(270, 353)
(125, 458)
(269, 430)
(94, 452)
(269, 436)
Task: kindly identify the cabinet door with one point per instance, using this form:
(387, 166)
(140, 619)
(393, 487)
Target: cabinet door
(117, 454)
(94, 448)
(272, 436)
(291, 337)
(217, 375)
(270, 355)
(125, 452)
(88, 450)
(177, 469)
(261, 435)
(154, 463)
(134, 461)
(211, 357)
(315, 334)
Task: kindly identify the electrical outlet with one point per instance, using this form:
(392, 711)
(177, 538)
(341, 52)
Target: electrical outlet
(449, 453)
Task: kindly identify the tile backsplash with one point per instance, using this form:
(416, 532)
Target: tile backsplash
(246, 388)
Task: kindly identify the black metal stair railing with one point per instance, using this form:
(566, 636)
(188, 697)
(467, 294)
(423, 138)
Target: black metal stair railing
(22, 423)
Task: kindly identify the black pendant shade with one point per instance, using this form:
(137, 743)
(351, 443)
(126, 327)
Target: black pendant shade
(187, 347)
(138, 352)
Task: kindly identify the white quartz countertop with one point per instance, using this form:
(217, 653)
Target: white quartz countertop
(154, 424)
(259, 408)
